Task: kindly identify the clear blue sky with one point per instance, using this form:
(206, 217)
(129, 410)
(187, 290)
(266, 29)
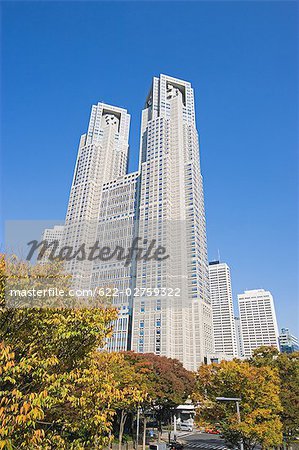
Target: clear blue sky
(241, 57)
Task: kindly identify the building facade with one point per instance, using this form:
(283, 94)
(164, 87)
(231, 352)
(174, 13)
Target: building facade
(171, 211)
(53, 237)
(288, 342)
(258, 320)
(163, 302)
(102, 157)
(239, 339)
(53, 234)
(117, 228)
(223, 310)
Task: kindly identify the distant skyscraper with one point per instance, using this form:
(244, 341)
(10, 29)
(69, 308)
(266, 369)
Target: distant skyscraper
(164, 303)
(288, 343)
(258, 320)
(53, 234)
(239, 339)
(223, 309)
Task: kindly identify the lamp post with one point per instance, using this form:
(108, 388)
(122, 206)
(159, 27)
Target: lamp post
(174, 428)
(137, 428)
(237, 400)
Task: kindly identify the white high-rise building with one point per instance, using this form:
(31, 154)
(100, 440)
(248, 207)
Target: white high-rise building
(223, 309)
(116, 228)
(258, 320)
(102, 157)
(163, 302)
(101, 210)
(171, 211)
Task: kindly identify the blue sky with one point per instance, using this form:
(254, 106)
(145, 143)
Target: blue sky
(241, 57)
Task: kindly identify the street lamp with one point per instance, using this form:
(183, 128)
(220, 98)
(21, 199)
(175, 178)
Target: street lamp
(174, 428)
(237, 400)
(137, 427)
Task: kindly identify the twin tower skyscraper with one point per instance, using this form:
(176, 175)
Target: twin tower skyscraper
(163, 299)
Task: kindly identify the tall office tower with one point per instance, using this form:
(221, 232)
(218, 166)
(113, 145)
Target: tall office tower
(177, 322)
(288, 342)
(239, 338)
(258, 320)
(102, 157)
(101, 213)
(223, 309)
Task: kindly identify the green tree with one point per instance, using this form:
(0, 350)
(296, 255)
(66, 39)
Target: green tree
(258, 388)
(131, 384)
(56, 388)
(287, 365)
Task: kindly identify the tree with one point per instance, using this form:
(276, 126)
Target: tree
(264, 356)
(20, 409)
(287, 365)
(72, 409)
(56, 389)
(131, 384)
(168, 383)
(258, 388)
(97, 394)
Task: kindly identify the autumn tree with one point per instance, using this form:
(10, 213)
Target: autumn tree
(258, 388)
(70, 409)
(100, 393)
(56, 389)
(168, 383)
(20, 409)
(133, 386)
(264, 356)
(287, 366)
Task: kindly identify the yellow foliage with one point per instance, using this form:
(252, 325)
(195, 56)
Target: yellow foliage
(258, 388)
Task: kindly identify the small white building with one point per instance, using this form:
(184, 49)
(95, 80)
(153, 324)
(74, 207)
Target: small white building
(185, 414)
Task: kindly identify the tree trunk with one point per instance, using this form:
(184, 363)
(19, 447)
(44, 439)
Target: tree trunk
(159, 424)
(122, 421)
